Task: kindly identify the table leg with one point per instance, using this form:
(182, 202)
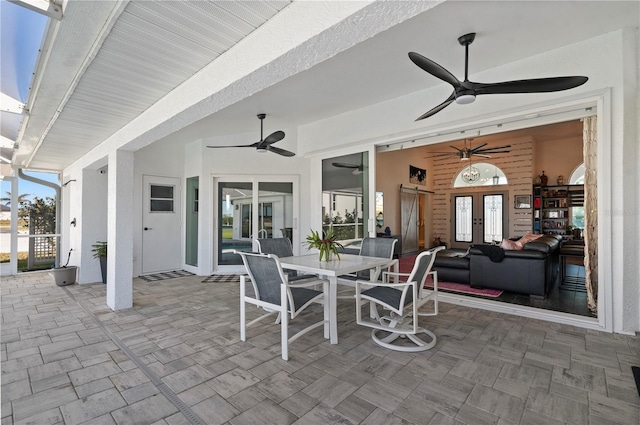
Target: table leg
(327, 308)
(333, 311)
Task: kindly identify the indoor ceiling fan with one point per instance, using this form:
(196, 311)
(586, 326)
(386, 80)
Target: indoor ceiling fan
(357, 169)
(466, 152)
(465, 92)
(265, 144)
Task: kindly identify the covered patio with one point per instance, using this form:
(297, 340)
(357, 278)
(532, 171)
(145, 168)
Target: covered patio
(176, 357)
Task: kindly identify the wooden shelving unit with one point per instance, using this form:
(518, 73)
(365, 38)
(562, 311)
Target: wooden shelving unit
(551, 207)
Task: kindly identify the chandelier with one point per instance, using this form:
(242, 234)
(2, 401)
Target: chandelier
(471, 175)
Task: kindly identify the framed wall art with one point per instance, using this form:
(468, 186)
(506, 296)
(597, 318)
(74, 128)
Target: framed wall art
(417, 175)
(522, 202)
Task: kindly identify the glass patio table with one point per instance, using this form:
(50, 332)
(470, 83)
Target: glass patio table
(330, 270)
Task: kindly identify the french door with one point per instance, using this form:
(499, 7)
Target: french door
(249, 208)
(478, 218)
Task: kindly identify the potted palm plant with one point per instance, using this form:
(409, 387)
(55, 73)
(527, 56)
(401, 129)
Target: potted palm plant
(327, 244)
(100, 252)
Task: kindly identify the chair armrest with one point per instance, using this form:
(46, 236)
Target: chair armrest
(371, 284)
(385, 275)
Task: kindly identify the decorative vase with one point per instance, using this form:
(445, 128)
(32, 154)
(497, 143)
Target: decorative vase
(560, 180)
(537, 181)
(328, 256)
(543, 179)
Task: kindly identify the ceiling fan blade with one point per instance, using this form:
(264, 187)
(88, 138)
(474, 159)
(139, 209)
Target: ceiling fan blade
(477, 147)
(253, 145)
(434, 69)
(438, 108)
(276, 136)
(489, 152)
(535, 85)
(345, 165)
(482, 155)
(279, 151)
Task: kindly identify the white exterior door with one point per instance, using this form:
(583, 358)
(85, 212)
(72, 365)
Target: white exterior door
(161, 247)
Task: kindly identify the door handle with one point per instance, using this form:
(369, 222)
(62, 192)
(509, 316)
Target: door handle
(147, 228)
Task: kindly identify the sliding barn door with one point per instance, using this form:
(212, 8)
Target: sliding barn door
(410, 220)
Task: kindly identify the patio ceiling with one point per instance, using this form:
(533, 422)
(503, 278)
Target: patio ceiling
(97, 78)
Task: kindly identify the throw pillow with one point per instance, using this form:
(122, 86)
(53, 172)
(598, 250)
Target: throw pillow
(509, 245)
(528, 238)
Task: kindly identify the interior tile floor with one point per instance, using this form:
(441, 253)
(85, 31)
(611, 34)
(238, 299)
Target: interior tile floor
(567, 300)
(176, 358)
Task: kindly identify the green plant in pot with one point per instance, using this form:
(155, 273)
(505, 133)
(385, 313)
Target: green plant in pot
(327, 244)
(100, 252)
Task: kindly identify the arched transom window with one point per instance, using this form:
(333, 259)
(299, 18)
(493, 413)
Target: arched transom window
(480, 174)
(577, 177)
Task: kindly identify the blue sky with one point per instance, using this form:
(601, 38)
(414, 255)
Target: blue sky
(33, 189)
(21, 31)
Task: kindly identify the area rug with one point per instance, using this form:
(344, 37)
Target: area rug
(406, 264)
(166, 275)
(222, 278)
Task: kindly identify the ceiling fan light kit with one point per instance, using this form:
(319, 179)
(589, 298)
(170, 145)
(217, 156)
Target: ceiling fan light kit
(465, 97)
(465, 92)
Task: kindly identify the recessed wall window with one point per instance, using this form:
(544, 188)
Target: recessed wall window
(161, 199)
(577, 213)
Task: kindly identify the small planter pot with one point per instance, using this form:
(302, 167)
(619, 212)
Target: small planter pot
(64, 275)
(103, 269)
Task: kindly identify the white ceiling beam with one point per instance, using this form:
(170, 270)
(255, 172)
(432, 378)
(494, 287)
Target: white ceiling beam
(44, 7)
(5, 142)
(9, 104)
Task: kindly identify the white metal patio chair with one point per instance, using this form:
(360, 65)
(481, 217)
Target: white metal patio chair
(282, 248)
(370, 247)
(274, 294)
(398, 328)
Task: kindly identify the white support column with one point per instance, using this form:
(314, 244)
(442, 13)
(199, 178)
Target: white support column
(120, 230)
(13, 247)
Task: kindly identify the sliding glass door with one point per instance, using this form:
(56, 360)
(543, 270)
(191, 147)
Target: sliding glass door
(345, 197)
(249, 209)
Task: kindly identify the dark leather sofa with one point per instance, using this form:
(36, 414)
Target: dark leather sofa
(452, 265)
(528, 271)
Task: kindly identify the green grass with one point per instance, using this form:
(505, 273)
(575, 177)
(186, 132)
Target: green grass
(6, 225)
(23, 262)
(227, 233)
